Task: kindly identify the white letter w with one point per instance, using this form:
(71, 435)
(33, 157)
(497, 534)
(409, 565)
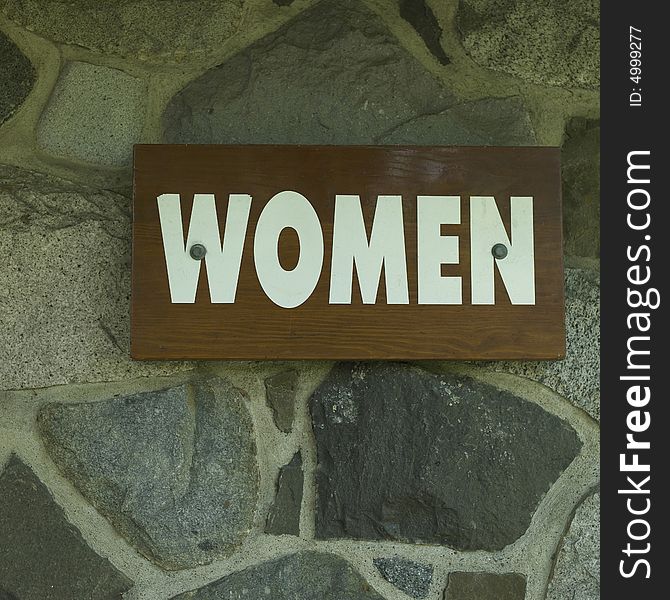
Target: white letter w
(222, 261)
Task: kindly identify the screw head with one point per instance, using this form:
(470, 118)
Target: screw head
(499, 251)
(197, 251)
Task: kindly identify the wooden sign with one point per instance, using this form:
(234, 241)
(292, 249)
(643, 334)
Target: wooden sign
(346, 252)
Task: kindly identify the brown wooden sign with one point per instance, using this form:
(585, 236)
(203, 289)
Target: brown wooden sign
(347, 252)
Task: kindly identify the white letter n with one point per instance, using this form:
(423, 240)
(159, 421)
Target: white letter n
(517, 269)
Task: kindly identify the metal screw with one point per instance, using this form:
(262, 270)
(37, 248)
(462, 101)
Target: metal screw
(499, 251)
(197, 251)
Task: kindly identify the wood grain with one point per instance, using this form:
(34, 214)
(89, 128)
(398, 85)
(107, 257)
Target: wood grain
(254, 328)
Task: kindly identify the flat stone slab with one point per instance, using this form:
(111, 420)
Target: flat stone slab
(332, 75)
(370, 90)
(65, 284)
(488, 122)
(174, 470)
(284, 517)
(577, 376)
(95, 115)
(17, 77)
(577, 570)
(280, 392)
(580, 167)
(301, 576)
(549, 42)
(154, 30)
(410, 577)
(42, 556)
(408, 455)
(486, 586)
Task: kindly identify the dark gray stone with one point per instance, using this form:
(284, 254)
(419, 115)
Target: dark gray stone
(42, 556)
(302, 576)
(280, 394)
(174, 470)
(284, 517)
(408, 455)
(420, 16)
(552, 42)
(408, 576)
(580, 168)
(489, 122)
(576, 574)
(485, 586)
(283, 2)
(335, 75)
(332, 75)
(577, 376)
(17, 77)
(154, 30)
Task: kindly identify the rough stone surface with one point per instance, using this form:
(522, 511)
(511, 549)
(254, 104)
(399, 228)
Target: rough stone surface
(486, 586)
(42, 556)
(420, 16)
(577, 377)
(580, 166)
(552, 42)
(408, 576)
(577, 570)
(17, 76)
(174, 470)
(280, 394)
(284, 517)
(335, 75)
(489, 122)
(170, 30)
(302, 576)
(95, 115)
(64, 284)
(332, 75)
(407, 455)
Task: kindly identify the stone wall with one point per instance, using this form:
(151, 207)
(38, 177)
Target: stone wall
(151, 481)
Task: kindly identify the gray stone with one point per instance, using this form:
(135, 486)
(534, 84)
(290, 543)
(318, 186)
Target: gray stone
(485, 586)
(95, 114)
(301, 576)
(42, 556)
(335, 75)
(420, 16)
(17, 77)
(489, 122)
(580, 167)
(155, 30)
(408, 576)
(332, 75)
(577, 377)
(64, 284)
(284, 517)
(408, 455)
(552, 42)
(577, 570)
(173, 470)
(280, 395)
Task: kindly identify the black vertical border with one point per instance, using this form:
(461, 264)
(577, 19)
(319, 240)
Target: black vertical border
(627, 128)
